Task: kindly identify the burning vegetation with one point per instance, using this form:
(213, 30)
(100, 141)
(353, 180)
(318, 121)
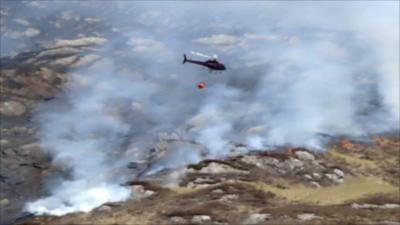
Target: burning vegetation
(102, 124)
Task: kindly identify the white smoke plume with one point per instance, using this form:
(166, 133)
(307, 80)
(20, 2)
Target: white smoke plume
(299, 73)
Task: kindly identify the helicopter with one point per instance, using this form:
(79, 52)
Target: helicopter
(211, 64)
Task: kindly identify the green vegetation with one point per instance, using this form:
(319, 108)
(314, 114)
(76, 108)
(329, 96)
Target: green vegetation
(351, 189)
(353, 160)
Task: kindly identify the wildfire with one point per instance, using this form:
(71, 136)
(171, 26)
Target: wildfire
(346, 144)
(290, 151)
(380, 141)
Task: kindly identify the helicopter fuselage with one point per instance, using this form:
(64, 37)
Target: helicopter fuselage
(211, 64)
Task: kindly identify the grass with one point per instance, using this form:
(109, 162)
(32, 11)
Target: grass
(351, 189)
(184, 190)
(353, 160)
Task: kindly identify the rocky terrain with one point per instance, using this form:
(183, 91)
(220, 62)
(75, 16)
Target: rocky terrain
(353, 182)
(26, 80)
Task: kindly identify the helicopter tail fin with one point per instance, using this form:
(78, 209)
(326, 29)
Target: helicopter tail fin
(184, 59)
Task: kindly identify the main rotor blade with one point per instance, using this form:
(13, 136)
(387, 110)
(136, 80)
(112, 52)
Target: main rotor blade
(200, 54)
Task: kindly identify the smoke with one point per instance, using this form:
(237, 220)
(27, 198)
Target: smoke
(297, 75)
(85, 136)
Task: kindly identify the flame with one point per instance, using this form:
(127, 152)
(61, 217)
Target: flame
(380, 141)
(290, 151)
(346, 144)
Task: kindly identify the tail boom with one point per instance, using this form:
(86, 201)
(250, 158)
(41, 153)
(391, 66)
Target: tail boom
(184, 59)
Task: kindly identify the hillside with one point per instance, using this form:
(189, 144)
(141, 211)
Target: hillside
(352, 182)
